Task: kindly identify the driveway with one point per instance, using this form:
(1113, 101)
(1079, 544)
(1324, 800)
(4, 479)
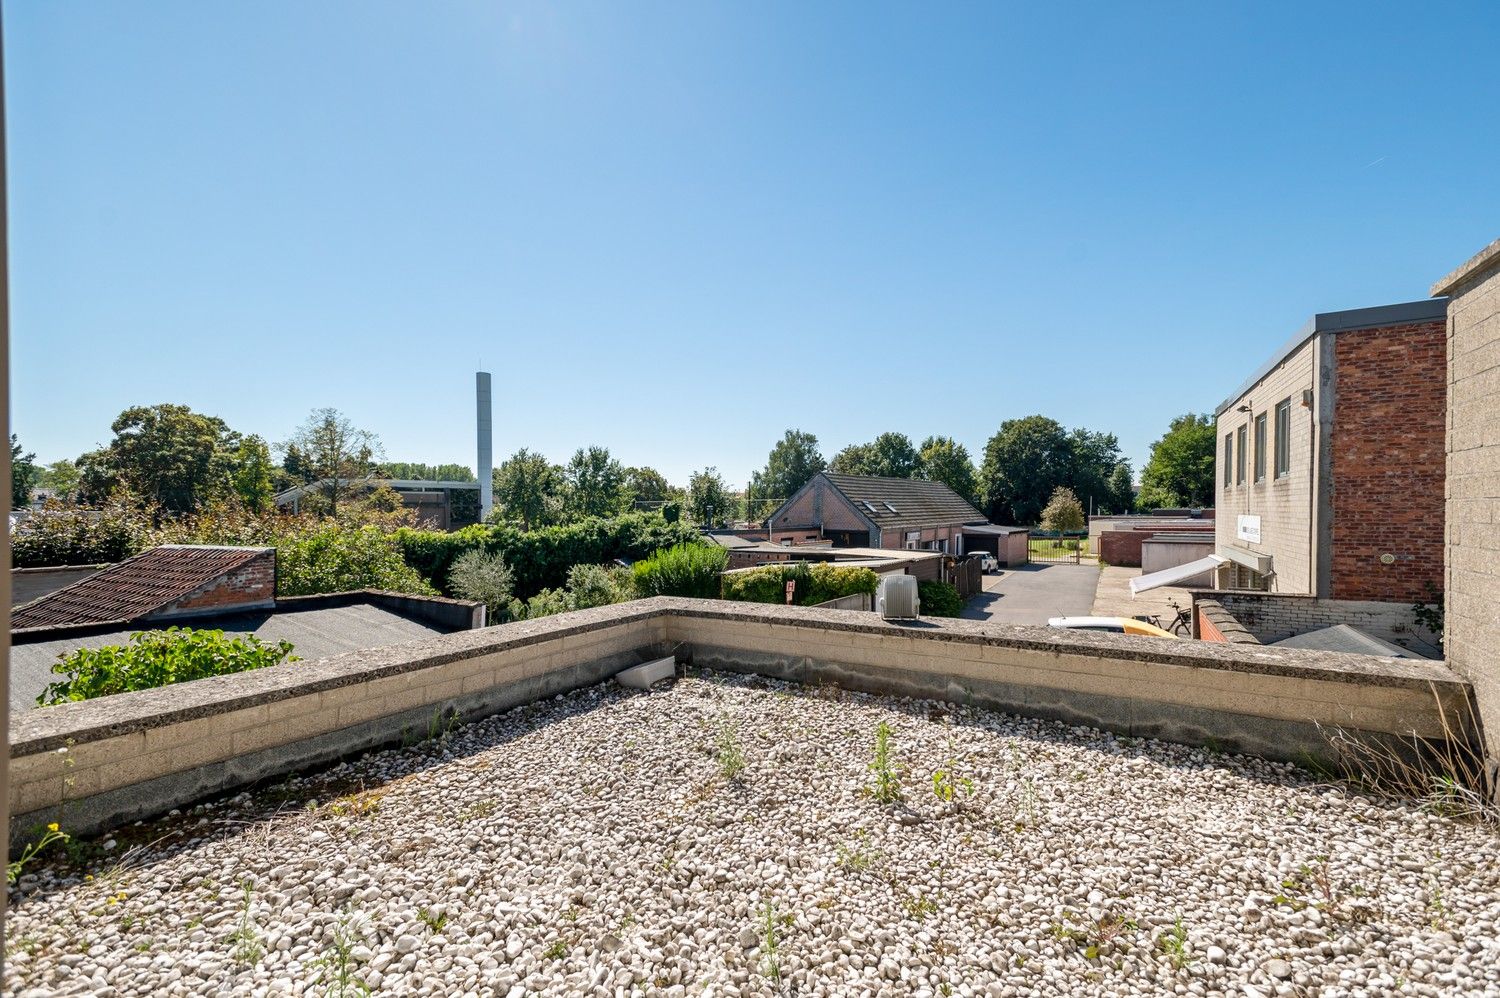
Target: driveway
(1030, 594)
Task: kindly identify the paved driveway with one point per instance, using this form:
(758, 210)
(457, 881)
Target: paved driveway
(1032, 593)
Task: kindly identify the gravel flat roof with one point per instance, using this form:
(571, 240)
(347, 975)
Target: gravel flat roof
(595, 844)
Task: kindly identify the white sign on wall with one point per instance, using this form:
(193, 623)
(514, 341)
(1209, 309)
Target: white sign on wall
(1248, 529)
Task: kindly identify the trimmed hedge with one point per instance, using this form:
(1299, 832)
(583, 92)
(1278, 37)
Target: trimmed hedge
(682, 570)
(816, 584)
(541, 558)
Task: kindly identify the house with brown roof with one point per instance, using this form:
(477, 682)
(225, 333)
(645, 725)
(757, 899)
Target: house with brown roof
(900, 513)
(230, 589)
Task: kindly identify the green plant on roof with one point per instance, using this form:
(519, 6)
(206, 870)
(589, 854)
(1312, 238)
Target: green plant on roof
(158, 658)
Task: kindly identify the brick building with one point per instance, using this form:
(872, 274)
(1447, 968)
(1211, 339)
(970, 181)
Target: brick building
(1471, 639)
(1331, 465)
(862, 511)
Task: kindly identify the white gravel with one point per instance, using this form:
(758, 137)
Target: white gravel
(590, 846)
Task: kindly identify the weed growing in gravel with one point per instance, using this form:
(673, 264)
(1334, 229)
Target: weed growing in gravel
(918, 908)
(336, 965)
(858, 857)
(440, 726)
(730, 755)
(434, 920)
(357, 805)
(52, 833)
(247, 949)
(556, 951)
(1435, 906)
(770, 942)
(947, 785)
(1174, 944)
(1310, 885)
(887, 788)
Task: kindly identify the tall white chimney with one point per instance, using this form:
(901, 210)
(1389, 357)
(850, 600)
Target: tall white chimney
(486, 458)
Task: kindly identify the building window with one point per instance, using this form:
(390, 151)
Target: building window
(1240, 446)
(1228, 459)
(1283, 438)
(1260, 447)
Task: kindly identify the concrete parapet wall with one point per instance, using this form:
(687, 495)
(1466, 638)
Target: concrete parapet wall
(98, 763)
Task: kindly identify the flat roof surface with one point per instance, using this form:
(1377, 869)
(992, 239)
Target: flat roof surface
(314, 633)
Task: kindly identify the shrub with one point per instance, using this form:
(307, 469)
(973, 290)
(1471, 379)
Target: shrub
(939, 599)
(597, 585)
(815, 584)
(331, 558)
(682, 570)
(540, 559)
(479, 575)
(543, 604)
(158, 658)
(64, 534)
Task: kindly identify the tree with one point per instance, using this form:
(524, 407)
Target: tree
(1092, 460)
(1122, 488)
(23, 475)
(167, 454)
(1024, 463)
(252, 473)
(947, 461)
(334, 453)
(709, 499)
(648, 487)
(596, 483)
(1181, 469)
(529, 490)
(417, 471)
(1064, 514)
(59, 476)
(793, 462)
(890, 455)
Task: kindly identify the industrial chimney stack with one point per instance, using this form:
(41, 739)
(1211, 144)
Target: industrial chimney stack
(486, 458)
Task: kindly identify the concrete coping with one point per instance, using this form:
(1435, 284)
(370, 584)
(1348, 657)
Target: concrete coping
(52, 728)
(1227, 624)
(1470, 270)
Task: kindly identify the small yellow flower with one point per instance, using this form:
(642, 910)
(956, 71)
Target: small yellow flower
(52, 827)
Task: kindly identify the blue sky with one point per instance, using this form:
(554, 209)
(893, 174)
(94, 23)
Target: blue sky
(677, 230)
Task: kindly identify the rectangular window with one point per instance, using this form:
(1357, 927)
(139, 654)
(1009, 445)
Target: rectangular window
(1240, 446)
(1260, 447)
(1283, 438)
(1228, 459)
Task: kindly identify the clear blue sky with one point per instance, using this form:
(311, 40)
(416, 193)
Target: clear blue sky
(678, 229)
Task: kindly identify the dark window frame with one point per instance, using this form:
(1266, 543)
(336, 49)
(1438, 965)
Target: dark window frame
(1241, 444)
(1283, 439)
(1260, 447)
(1228, 460)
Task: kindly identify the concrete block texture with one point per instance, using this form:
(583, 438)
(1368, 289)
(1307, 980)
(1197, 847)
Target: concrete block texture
(139, 754)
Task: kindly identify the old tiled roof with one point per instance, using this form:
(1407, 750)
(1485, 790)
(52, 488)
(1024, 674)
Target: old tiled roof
(133, 588)
(891, 502)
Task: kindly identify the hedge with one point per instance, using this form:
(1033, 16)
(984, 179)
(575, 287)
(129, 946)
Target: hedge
(541, 558)
(815, 583)
(682, 570)
(939, 599)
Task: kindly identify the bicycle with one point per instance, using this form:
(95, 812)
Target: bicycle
(1181, 625)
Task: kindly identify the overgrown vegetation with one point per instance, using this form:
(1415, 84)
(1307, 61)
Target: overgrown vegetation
(331, 558)
(483, 576)
(65, 534)
(887, 786)
(158, 658)
(52, 833)
(682, 570)
(813, 584)
(939, 599)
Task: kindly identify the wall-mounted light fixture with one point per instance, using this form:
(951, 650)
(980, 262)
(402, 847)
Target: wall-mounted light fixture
(1307, 398)
(1244, 408)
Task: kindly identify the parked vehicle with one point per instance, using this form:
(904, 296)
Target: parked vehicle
(987, 562)
(1114, 625)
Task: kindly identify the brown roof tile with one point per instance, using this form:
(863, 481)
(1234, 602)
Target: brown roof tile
(134, 588)
(905, 501)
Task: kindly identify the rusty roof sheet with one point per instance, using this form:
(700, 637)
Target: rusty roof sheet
(134, 588)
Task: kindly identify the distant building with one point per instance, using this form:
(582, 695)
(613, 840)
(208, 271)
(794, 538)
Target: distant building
(892, 513)
(232, 589)
(1330, 470)
(443, 505)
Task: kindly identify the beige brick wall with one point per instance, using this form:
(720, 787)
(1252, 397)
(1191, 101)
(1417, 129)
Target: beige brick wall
(1284, 506)
(1472, 637)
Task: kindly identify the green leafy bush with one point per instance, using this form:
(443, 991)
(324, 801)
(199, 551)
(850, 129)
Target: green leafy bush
(62, 534)
(331, 558)
(597, 585)
(682, 570)
(541, 559)
(543, 604)
(483, 576)
(158, 658)
(939, 599)
(816, 584)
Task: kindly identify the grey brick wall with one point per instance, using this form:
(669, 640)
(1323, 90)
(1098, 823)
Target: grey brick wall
(1472, 635)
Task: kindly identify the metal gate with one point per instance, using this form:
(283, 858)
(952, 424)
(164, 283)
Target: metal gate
(1053, 548)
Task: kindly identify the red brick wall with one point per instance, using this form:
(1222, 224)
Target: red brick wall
(1207, 631)
(803, 512)
(252, 583)
(1123, 547)
(1390, 411)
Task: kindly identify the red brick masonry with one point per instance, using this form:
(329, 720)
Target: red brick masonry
(1390, 411)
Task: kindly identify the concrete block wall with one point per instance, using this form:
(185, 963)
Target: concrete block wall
(98, 763)
(1472, 633)
(1387, 448)
(1273, 616)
